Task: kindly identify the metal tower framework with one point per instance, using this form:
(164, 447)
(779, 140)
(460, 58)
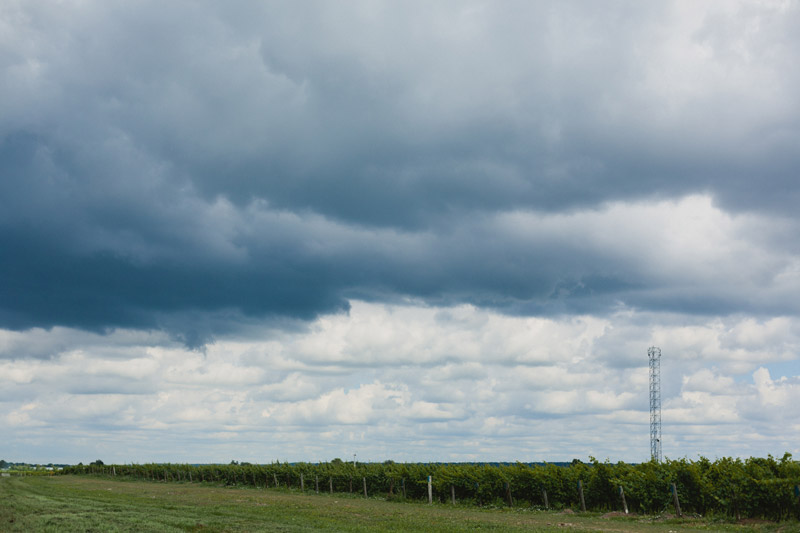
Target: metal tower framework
(654, 354)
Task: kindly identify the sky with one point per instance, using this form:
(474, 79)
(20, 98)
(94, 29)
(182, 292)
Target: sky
(418, 231)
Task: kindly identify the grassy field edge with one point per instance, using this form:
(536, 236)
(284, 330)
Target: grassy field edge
(74, 503)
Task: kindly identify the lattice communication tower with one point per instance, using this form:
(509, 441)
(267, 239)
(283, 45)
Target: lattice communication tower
(654, 354)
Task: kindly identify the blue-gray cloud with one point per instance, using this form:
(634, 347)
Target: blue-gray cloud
(191, 166)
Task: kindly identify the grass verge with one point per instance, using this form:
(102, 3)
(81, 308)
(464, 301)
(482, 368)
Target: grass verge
(69, 503)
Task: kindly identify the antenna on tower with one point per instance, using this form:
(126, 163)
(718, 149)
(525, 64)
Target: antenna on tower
(654, 354)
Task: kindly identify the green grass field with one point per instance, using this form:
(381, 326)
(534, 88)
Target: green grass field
(71, 503)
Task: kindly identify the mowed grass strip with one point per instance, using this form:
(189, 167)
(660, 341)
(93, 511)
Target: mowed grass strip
(68, 503)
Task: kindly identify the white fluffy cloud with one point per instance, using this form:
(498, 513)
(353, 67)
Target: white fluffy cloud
(415, 383)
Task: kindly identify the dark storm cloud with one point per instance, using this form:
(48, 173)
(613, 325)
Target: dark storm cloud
(168, 166)
(476, 107)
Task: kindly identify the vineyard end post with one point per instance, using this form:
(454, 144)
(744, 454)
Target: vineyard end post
(677, 503)
(622, 496)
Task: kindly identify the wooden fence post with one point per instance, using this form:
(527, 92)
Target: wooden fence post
(580, 492)
(351, 484)
(453, 493)
(544, 497)
(508, 495)
(364, 479)
(302, 483)
(624, 503)
(403, 485)
(316, 484)
(674, 490)
(275, 478)
(430, 490)
(330, 483)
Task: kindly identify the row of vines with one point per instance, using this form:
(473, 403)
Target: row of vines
(754, 488)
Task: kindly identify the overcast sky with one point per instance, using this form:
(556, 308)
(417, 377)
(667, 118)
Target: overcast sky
(420, 231)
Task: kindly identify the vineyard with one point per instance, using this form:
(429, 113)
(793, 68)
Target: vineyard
(752, 488)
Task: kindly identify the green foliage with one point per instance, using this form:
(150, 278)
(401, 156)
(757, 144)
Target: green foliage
(754, 488)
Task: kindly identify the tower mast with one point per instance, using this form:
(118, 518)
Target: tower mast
(654, 354)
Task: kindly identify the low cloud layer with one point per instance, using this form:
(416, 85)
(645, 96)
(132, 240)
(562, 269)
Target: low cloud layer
(550, 187)
(412, 383)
